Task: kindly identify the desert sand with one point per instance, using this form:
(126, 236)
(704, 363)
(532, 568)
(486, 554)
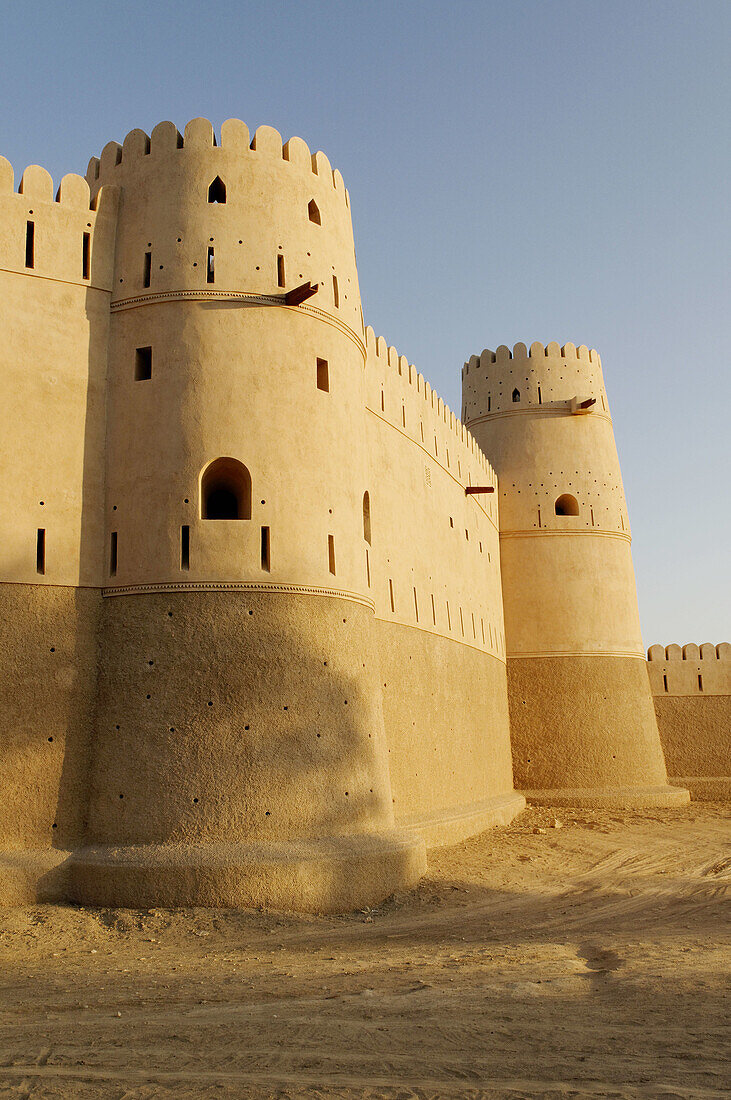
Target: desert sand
(570, 954)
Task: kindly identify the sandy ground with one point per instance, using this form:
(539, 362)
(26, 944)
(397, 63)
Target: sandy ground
(583, 960)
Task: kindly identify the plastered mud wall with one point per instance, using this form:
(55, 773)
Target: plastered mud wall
(450, 773)
(433, 556)
(577, 720)
(691, 687)
(56, 260)
(48, 656)
(237, 716)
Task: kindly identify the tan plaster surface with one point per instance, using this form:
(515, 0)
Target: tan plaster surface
(579, 722)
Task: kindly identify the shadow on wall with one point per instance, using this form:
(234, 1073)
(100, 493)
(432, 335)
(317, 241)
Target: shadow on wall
(229, 717)
(48, 634)
(47, 691)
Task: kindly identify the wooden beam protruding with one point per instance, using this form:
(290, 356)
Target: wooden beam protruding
(300, 294)
(472, 490)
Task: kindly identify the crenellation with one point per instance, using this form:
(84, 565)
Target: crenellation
(396, 365)
(7, 176)
(36, 184)
(267, 141)
(321, 166)
(235, 136)
(135, 144)
(199, 134)
(74, 191)
(111, 156)
(691, 651)
(164, 139)
(297, 152)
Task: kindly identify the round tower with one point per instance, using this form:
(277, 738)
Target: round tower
(583, 725)
(240, 755)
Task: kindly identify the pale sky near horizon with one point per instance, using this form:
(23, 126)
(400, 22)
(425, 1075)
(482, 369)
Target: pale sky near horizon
(518, 170)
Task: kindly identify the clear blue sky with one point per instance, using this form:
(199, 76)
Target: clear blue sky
(518, 170)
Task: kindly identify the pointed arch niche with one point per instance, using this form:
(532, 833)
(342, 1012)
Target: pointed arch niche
(217, 191)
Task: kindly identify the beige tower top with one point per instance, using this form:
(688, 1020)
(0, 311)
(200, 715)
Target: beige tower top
(543, 418)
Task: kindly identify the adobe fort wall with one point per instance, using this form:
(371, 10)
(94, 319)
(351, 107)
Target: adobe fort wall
(56, 258)
(435, 569)
(583, 726)
(247, 721)
(691, 687)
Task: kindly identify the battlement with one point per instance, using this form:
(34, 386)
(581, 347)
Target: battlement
(690, 669)
(388, 360)
(62, 233)
(537, 350)
(508, 380)
(36, 184)
(200, 135)
(690, 652)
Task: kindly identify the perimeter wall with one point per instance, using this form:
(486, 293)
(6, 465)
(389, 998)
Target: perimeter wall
(691, 687)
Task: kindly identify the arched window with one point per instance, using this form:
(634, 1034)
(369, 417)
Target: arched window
(566, 505)
(313, 212)
(217, 191)
(516, 395)
(367, 517)
(226, 490)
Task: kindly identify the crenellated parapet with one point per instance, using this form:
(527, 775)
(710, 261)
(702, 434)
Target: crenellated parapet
(558, 379)
(199, 134)
(62, 234)
(397, 392)
(240, 218)
(690, 669)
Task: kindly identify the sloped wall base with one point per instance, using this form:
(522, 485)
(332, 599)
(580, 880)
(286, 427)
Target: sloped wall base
(330, 875)
(441, 829)
(616, 798)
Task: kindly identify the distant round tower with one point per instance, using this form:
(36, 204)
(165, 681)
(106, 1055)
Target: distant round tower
(240, 754)
(582, 719)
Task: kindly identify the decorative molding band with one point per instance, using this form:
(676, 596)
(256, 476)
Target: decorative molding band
(540, 532)
(237, 586)
(245, 298)
(707, 693)
(637, 654)
(33, 274)
(534, 410)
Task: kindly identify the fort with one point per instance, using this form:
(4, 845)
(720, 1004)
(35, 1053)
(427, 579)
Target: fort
(275, 621)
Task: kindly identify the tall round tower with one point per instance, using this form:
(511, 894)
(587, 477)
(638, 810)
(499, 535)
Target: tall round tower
(582, 719)
(240, 756)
